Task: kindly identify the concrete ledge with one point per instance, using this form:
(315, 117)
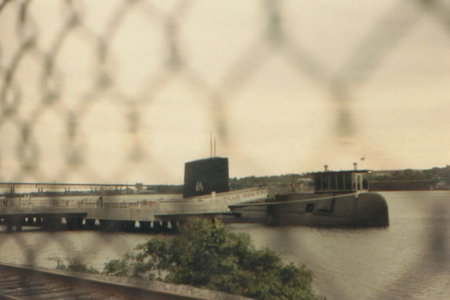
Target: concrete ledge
(128, 288)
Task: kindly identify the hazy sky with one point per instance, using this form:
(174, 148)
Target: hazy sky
(327, 83)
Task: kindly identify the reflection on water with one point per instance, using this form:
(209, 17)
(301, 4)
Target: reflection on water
(408, 260)
(93, 248)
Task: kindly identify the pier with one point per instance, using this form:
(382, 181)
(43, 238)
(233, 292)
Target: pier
(131, 211)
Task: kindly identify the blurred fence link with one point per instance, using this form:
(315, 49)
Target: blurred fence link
(65, 58)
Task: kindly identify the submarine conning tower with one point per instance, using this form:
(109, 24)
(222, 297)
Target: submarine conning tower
(204, 176)
(341, 181)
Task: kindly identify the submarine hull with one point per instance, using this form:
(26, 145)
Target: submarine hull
(366, 209)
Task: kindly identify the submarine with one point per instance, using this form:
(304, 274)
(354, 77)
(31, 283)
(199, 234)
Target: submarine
(339, 198)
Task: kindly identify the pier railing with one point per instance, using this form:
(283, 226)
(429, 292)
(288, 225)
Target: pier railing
(151, 204)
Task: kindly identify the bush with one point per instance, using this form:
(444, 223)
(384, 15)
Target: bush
(206, 254)
(73, 265)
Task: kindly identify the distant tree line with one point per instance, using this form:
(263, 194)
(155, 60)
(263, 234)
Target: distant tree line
(434, 175)
(276, 184)
(284, 183)
(166, 189)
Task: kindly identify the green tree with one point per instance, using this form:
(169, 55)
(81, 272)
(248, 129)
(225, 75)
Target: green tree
(206, 254)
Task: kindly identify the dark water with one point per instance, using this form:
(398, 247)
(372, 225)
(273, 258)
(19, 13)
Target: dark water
(408, 260)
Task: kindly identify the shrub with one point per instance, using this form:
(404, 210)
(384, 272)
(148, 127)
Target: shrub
(206, 254)
(73, 265)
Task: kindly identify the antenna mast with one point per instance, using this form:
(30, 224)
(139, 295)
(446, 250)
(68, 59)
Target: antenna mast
(210, 145)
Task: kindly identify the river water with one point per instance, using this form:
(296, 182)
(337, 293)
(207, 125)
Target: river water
(410, 259)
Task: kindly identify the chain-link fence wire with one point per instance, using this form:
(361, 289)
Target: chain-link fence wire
(86, 86)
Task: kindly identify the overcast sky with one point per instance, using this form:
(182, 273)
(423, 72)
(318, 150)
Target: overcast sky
(338, 81)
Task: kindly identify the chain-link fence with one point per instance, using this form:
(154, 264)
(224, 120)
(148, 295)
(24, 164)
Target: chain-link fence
(128, 90)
